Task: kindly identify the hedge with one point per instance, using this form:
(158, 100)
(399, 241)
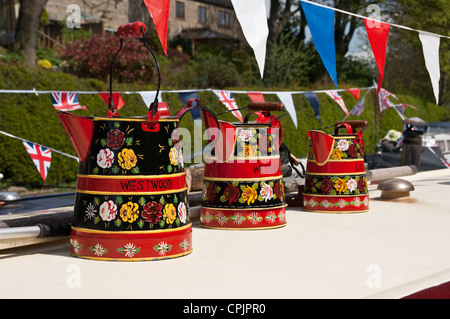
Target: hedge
(33, 117)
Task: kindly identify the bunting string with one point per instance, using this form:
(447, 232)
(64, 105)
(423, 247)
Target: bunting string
(375, 20)
(53, 150)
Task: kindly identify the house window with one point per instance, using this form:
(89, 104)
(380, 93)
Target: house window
(224, 19)
(201, 14)
(179, 9)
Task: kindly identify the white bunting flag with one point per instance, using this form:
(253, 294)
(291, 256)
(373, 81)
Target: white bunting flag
(286, 99)
(149, 97)
(252, 17)
(430, 45)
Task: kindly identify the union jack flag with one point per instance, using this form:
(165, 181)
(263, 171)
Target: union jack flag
(383, 99)
(66, 101)
(339, 100)
(230, 103)
(41, 157)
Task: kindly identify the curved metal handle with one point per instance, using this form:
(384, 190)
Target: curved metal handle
(129, 31)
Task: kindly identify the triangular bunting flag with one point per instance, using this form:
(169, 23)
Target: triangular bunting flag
(159, 11)
(383, 99)
(354, 92)
(196, 115)
(41, 157)
(256, 96)
(252, 17)
(117, 99)
(402, 107)
(378, 36)
(359, 107)
(149, 97)
(314, 103)
(321, 25)
(66, 101)
(338, 99)
(430, 45)
(286, 99)
(227, 99)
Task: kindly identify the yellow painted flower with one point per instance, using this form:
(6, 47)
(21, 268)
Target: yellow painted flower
(129, 212)
(173, 156)
(336, 154)
(249, 150)
(340, 185)
(170, 213)
(127, 158)
(249, 194)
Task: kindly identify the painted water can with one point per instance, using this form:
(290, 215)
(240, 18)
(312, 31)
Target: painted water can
(131, 196)
(243, 184)
(335, 180)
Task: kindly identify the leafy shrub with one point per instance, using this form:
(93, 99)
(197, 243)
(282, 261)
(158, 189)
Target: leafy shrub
(92, 58)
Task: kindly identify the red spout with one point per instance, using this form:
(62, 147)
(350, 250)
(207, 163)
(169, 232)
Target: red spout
(79, 129)
(322, 146)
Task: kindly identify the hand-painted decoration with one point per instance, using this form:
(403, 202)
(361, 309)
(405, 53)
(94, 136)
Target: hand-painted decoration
(131, 197)
(335, 179)
(243, 184)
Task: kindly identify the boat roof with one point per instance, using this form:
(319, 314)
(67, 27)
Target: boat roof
(395, 249)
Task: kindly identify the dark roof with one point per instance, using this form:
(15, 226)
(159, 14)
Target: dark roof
(222, 3)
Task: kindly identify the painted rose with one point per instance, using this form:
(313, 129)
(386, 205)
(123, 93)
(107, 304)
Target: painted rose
(127, 159)
(351, 184)
(182, 213)
(340, 185)
(336, 154)
(174, 156)
(169, 213)
(115, 139)
(266, 192)
(152, 212)
(211, 192)
(108, 210)
(245, 135)
(129, 212)
(309, 183)
(231, 193)
(362, 185)
(353, 150)
(326, 186)
(249, 194)
(279, 190)
(342, 145)
(105, 158)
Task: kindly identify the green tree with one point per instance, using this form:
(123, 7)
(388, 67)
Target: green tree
(405, 66)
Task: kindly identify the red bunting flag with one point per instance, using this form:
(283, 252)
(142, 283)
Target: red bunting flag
(159, 11)
(256, 97)
(354, 92)
(117, 99)
(378, 33)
